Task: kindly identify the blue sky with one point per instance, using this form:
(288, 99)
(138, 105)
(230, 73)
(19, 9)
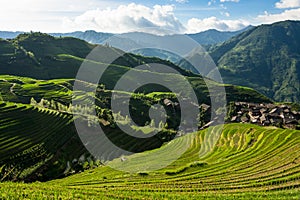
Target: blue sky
(118, 16)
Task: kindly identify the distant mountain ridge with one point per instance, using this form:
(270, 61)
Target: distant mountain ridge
(89, 36)
(208, 37)
(214, 36)
(9, 34)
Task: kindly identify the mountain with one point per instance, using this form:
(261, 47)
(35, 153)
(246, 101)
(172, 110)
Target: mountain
(154, 43)
(42, 56)
(89, 36)
(9, 34)
(208, 37)
(46, 57)
(212, 36)
(266, 58)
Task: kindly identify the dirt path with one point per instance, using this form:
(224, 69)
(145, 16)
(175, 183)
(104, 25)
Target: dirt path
(12, 89)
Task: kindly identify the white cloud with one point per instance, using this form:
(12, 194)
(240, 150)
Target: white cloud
(195, 25)
(227, 14)
(288, 4)
(292, 14)
(110, 16)
(230, 1)
(43, 15)
(25, 6)
(182, 1)
(127, 18)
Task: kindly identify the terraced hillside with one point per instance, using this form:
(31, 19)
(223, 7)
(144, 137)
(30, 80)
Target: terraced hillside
(33, 106)
(21, 89)
(38, 143)
(247, 162)
(35, 142)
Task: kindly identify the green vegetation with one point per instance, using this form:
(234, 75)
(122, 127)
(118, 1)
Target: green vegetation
(265, 58)
(35, 142)
(30, 104)
(47, 57)
(39, 142)
(248, 162)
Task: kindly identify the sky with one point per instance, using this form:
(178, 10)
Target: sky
(120, 16)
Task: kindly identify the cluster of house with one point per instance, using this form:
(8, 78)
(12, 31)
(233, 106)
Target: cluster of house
(265, 115)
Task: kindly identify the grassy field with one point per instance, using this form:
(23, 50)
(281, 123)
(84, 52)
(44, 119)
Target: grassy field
(247, 162)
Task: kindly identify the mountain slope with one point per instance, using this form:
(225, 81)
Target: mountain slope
(266, 58)
(37, 55)
(38, 137)
(35, 142)
(31, 109)
(248, 162)
(47, 57)
(41, 56)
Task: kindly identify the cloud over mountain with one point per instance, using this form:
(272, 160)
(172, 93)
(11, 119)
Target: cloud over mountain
(118, 17)
(195, 25)
(291, 14)
(126, 18)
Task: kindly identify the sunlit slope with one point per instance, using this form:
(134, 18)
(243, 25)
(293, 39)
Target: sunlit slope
(42, 144)
(247, 162)
(21, 89)
(265, 58)
(35, 142)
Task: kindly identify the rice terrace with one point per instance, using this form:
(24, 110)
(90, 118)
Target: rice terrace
(238, 168)
(150, 100)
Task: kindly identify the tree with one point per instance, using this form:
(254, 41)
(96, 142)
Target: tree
(161, 125)
(152, 123)
(33, 101)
